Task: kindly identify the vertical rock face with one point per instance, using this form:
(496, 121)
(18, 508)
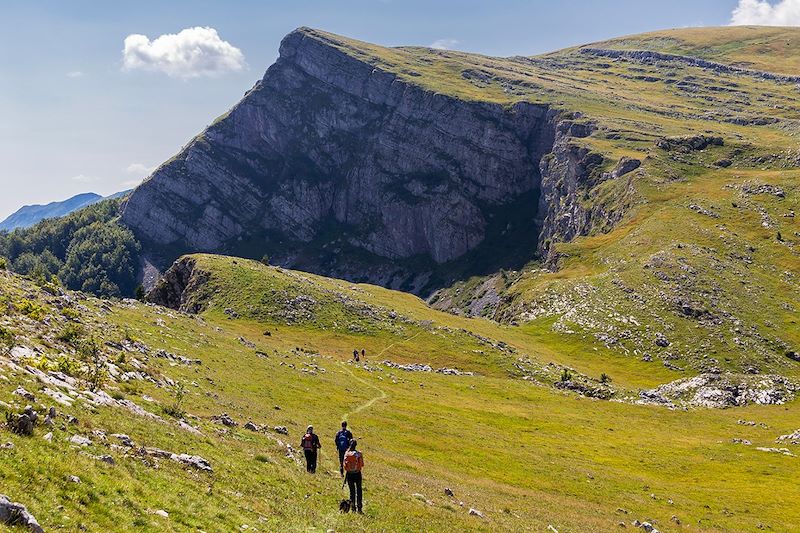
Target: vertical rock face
(325, 140)
(332, 165)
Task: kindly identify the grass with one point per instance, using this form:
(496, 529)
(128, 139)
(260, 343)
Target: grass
(527, 456)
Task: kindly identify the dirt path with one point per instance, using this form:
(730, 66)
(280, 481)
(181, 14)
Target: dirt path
(381, 393)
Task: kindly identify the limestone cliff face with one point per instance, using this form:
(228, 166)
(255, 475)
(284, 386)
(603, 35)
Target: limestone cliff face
(329, 157)
(325, 139)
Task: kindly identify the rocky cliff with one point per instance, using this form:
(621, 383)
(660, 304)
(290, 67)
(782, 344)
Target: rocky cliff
(333, 165)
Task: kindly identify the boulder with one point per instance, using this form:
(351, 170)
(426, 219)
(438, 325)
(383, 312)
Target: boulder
(15, 514)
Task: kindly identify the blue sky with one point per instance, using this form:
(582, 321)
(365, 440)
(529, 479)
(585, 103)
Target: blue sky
(79, 116)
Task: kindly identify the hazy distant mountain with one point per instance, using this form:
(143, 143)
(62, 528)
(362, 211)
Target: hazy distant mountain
(31, 214)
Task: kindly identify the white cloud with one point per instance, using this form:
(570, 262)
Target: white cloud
(444, 44)
(139, 169)
(191, 53)
(764, 13)
(75, 74)
(82, 178)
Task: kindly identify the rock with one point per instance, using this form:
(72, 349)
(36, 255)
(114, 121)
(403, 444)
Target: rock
(80, 440)
(25, 394)
(15, 514)
(661, 340)
(50, 419)
(7, 446)
(475, 512)
(252, 426)
(783, 451)
(719, 391)
(123, 439)
(648, 527)
(689, 143)
(625, 165)
(792, 438)
(194, 461)
(74, 479)
(435, 207)
(742, 441)
(48, 437)
(448, 492)
(225, 420)
(281, 429)
(162, 513)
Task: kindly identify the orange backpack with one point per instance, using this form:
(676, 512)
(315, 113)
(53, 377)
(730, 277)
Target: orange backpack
(353, 461)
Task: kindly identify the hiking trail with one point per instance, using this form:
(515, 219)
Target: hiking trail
(381, 393)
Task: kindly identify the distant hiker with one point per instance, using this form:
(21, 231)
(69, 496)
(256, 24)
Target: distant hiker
(342, 440)
(355, 355)
(310, 444)
(353, 463)
(363, 353)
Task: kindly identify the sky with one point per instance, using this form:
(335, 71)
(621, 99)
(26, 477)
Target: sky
(95, 94)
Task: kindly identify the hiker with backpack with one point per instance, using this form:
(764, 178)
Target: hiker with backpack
(353, 463)
(310, 444)
(342, 440)
(355, 355)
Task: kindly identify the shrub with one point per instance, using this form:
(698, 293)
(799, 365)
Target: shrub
(3, 263)
(70, 333)
(605, 378)
(70, 313)
(265, 259)
(95, 374)
(139, 293)
(32, 310)
(6, 338)
(566, 375)
(68, 366)
(178, 394)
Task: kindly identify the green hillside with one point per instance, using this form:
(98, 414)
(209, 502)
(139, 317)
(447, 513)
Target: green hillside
(274, 348)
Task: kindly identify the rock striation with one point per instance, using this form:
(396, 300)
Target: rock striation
(328, 157)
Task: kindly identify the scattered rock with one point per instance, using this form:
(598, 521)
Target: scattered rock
(25, 394)
(15, 514)
(80, 440)
(742, 441)
(625, 165)
(281, 429)
(252, 426)
(784, 451)
(719, 391)
(475, 512)
(162, 513)
(791, 438)
(225, 420)
(448, 492)
(74, 479)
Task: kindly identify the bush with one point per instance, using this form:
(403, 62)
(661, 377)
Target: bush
(71, 333)
(3, 263)
(178, 395)
(95, 374)
(6, 339)
(566, 375)
(32, 310)
(68, 366)
(70, 313)
(605, 378)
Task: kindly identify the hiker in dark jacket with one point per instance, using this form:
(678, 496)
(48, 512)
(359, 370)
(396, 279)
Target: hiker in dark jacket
(355, 355)
(310, 444)
(353, 463)
(342, 440)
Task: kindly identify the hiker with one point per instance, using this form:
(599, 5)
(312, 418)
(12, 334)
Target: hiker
(355, 355)
(342, 440)
(353, 463)
(363, 354)
(310, 444)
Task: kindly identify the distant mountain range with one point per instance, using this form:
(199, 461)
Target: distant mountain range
(29, 215)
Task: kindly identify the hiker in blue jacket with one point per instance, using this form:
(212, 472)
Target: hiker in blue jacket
(342, 440)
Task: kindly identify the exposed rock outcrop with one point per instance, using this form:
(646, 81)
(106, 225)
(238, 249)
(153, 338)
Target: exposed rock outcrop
(333, 165)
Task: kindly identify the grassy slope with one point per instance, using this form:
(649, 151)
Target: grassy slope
(525, 455)
(739, 268)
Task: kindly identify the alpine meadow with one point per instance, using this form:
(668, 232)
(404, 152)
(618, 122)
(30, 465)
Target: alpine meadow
(550, 293)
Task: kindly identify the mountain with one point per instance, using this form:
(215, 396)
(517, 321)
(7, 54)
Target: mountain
(30, 215)
(620, 192)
